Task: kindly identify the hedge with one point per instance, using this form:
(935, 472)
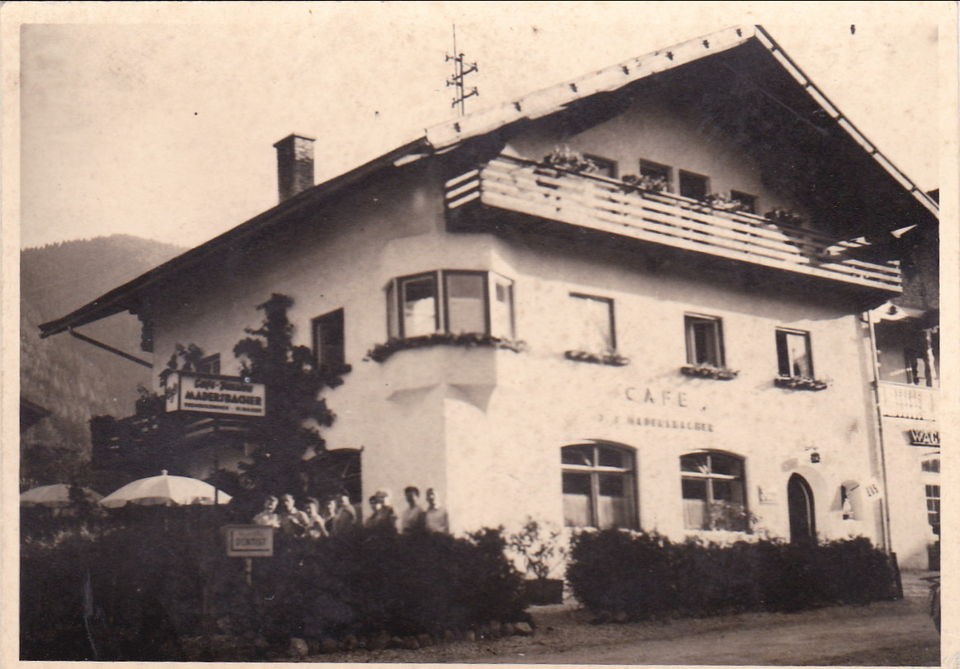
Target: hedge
(163, 577)
(643, 575)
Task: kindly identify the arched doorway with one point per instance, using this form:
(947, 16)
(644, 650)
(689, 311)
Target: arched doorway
(803, 523)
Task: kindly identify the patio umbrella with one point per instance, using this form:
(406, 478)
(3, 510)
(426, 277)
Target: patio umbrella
(56, 496)
(165, 490)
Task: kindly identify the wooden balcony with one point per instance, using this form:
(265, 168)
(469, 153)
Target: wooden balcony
(903, 401)
(609, 205)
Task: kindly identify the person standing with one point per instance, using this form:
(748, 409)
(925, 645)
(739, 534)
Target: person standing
(435, 518)
(329, 514)
(412, 518)
(382, 516)
(292, 520)
(314, 523)
(346, 518)
(268, 517)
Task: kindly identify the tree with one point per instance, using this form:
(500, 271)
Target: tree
(288, 436)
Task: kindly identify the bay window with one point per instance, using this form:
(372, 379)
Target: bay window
(450, 301)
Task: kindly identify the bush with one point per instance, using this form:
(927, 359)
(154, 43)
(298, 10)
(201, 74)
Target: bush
(647, 576)
(163, 576)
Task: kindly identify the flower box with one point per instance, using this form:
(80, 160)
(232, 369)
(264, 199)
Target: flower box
(381, 352)
(612, 359)
(799, 383)
(567, 160)
(721, 202)
(643, 183)
(783, 216)
(709, 372)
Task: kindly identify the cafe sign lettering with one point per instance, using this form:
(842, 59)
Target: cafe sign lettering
(924, 437)
(207, 393)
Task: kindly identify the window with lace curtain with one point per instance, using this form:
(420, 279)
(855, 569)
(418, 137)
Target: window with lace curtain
(713, 492)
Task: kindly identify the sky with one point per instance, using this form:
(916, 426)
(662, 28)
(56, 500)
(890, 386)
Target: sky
(159, 119)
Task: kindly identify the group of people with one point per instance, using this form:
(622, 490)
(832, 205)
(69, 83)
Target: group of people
(413, 518)
(337, 515)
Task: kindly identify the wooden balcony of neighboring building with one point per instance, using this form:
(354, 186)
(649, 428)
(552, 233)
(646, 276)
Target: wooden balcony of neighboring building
(611, 206)
(143, 443)
(899, 400)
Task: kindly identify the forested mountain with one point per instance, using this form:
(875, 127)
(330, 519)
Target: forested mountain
(70, 378)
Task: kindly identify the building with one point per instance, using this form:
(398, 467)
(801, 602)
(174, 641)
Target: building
(907, 345)
(636, 299)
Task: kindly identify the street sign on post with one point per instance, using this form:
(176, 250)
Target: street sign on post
(249, 541)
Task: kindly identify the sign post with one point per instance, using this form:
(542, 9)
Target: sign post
(248, 542)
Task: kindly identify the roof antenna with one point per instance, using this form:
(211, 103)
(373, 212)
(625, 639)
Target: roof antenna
(460, 71)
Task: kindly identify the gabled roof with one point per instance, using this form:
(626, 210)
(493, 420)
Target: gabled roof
(449, 136)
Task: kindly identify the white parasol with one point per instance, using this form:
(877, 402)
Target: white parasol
(165, 490)
(55, 496)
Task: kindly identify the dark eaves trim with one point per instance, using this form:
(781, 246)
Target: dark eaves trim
(124, 298)
(845, 123)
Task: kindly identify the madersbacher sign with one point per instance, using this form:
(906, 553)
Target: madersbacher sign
(206, 393)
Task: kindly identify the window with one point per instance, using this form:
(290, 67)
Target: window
(906, 353)
(933, 506)
(747, 202)
(598, 486)
(655, 171)
(931, 465)
(466, 296)
(713, 492)
(793, 353)
(452, 301)
(209, 365)
(694, 186)
(593, 324)
(418, 305)
(605, 166)
(704, 341)
(501, 307)
(328, 340)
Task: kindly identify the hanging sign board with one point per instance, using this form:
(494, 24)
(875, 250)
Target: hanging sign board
(248, 540)
(872, 489)
(207, 393)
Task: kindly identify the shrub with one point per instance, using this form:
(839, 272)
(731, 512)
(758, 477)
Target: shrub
(646, 576)
(163, 576)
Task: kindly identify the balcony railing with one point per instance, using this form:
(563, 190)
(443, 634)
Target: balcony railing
(901, 401)
(609, 205)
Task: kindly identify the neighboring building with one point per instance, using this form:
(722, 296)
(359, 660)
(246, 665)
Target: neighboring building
(565, 340)
(907, 344)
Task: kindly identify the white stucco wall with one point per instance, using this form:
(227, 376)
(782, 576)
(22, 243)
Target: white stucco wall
(910, 533)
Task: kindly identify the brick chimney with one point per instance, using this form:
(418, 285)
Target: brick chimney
(294, 165)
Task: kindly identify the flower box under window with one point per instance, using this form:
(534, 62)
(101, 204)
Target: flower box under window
(381, 352)
(612, 359)
(799, 383)
(709, 372)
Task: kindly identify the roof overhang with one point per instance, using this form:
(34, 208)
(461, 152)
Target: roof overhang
(127, 297)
